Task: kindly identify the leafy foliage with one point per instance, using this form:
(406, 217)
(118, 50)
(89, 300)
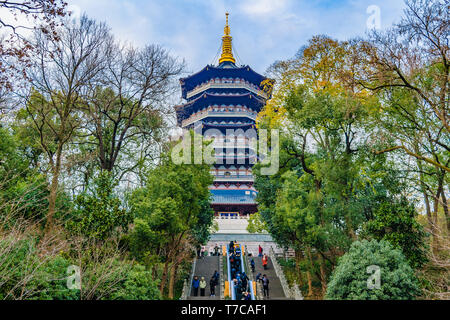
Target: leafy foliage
(396, 223)
(349, 279)
(138, 285)
(99, 214)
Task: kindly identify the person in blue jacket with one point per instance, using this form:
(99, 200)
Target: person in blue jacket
(244, 279)
(195, 285)
(216, 277)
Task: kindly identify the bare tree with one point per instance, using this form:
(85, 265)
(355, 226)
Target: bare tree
(408, 66)
(126, 115)
(61, 73)
(419, 40)
(15, 49)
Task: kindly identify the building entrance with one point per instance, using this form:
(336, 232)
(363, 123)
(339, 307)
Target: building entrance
(228, 215)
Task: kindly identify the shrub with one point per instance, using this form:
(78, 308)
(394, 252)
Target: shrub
(349, 280)
(138, 285)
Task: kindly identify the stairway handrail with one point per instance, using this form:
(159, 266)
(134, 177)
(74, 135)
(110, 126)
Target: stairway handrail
(192, 276)
(233, 296)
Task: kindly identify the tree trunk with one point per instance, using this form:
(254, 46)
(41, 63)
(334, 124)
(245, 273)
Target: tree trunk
(308, 273)
(323, 277)
(298, 257)
(173, 274)
(445, 206)
(164, 277)
(434, 220)
(154, 272)
(53, 190)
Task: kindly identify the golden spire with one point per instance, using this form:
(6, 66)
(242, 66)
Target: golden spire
(227, 51)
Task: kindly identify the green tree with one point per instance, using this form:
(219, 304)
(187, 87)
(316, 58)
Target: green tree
(138, 285)
(172, 214)
(23, 190)
(350, 279)
(396, 222)
(99, 214)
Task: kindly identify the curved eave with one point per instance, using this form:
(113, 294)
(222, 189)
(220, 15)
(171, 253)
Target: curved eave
(227, 125)
(249, 99)
(210, 72)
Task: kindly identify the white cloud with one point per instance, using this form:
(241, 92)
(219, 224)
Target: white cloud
(263, 30)
(263, 7)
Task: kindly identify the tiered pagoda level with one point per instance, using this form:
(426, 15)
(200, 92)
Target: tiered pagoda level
(224, 97)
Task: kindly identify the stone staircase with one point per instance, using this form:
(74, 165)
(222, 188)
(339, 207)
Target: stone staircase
(276, 291)
(205, 267)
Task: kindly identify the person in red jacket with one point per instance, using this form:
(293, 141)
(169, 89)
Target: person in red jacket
(264, 261)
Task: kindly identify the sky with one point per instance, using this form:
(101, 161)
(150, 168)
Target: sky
(263, 31)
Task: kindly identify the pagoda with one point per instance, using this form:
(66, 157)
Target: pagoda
(222, 102)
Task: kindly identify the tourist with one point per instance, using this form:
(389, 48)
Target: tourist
(237, 263)
(264, 261)
(238, 290)
(238, 252)
(231, 247)
(195, 285)
(252, 265)
(244, 279)
(265, 283)
(202, 286)
(216, 250)
(247, 296)
(216, 277)
(202, 251)
(236, 245)
(212, 286)
(260, 249)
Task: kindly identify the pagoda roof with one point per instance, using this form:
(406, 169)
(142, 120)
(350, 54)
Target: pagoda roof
(224, 70)
(206, 99)
(228, 125)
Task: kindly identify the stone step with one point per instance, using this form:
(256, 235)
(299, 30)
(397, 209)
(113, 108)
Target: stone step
(205, 267)
(276, 291)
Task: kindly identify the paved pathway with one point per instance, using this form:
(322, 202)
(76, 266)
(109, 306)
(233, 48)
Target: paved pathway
(205, 267)
(275, 289)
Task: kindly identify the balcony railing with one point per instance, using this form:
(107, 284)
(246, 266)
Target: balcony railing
(238, 85)
(202, 115)
(234, 177)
